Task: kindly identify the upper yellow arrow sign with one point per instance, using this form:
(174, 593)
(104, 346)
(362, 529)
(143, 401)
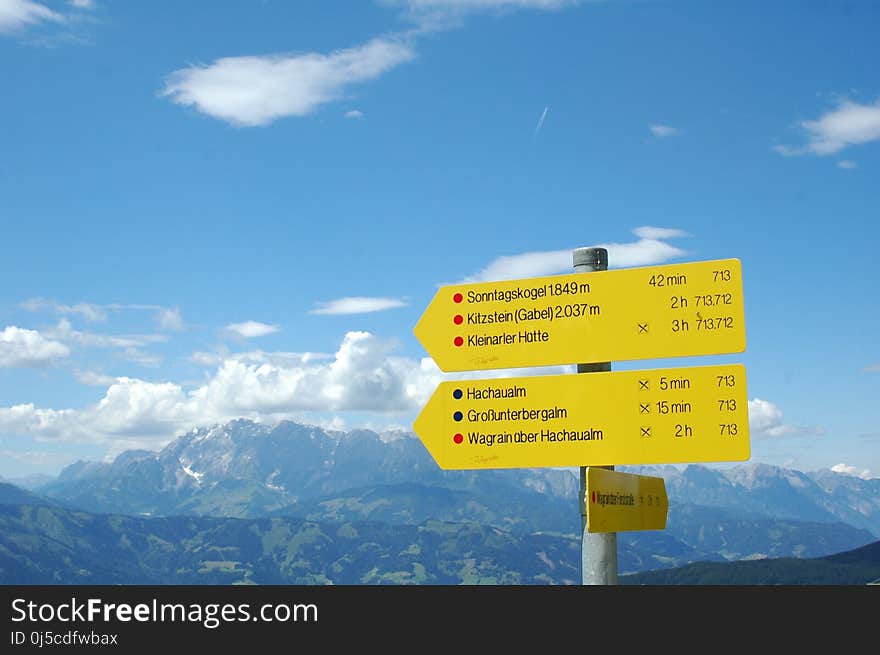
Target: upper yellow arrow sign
(634, 313)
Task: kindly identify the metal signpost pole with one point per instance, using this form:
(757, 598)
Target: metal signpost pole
(598, 550)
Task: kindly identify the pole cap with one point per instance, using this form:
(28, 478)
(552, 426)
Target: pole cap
(593, 258)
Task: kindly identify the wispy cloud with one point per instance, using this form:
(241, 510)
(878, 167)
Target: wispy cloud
(357, 305)
(276, 358)
(527, 264)
(354, 113)
(18, 14)
(433, 14)
(89, 311)
(649, 249)
(251, 329)
(540, 122)
(141, 357)
(766, 420)
(202, 358)
(874, 368)
(20, 347)
(65, 332)
(661, 131)
(167, 318)
(846, 469)
(849, 124)
(82, 4)
(257, 90)
(788, 151)
(651, 232)
(480, 5)
(847, 164)
(92, 379)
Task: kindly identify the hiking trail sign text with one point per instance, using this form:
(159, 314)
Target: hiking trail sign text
(659, 416)
(648, 312)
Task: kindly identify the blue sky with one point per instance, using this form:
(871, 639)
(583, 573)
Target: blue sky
(213, 210)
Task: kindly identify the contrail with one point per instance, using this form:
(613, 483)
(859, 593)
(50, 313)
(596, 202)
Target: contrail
(540, 122)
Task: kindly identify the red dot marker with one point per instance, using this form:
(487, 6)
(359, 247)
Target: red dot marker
(594, 496)
(458, 438)
(458, 319)
(457, 297)
(458, 341)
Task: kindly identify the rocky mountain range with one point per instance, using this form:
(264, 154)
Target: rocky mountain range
(208, 492)
(244, 469)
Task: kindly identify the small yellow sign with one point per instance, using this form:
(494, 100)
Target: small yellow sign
(617, 502)
(660, 416)
(634, 313)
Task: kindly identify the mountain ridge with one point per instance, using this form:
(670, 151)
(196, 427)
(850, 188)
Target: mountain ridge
(859, 566)
(247, 469)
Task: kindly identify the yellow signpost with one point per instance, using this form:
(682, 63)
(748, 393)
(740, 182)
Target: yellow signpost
(660, 416)
(591, 318)
(635, 313)
(616, 502)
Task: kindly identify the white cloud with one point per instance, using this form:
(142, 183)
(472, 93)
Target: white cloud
(251, 329)
(643, 252)
(354, 113)
(540, 122)
(65, 332)
(847, 125)
(20, 347)
(16, 14)
(364, 375)
(93, 379)
(434, 10)
(257, 90)
(138, 356)
(649, 232)
(661, 131)
(481, 5)
(766, 420)
(649, 249)
(763, 415)
(89, 311)
(82, 4)
(528, 264)
(847, 164)
(204, 359)
(278, 358)
(845, 469)
(130, 409)
(357, 305)
(788, 151)
(169, 319)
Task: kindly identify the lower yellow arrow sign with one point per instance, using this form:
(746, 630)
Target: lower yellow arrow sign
(617, 502)
(661, 416)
